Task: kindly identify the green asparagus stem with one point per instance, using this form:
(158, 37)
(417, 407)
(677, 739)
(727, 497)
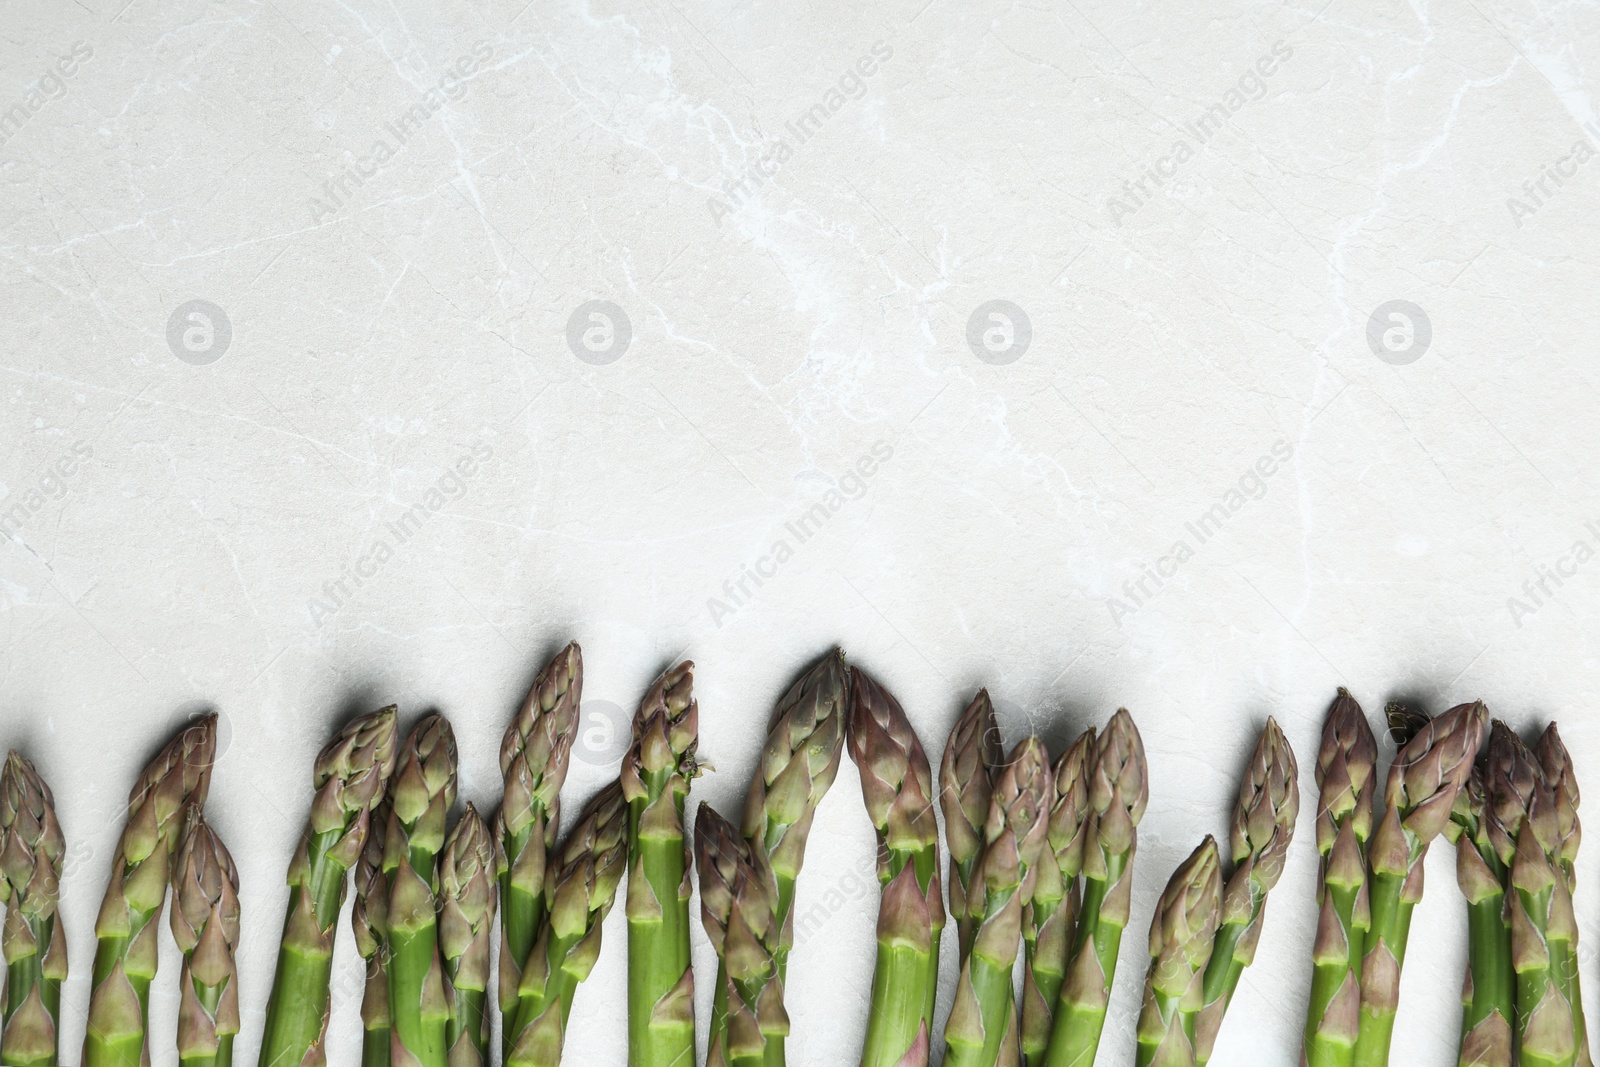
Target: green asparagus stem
(656, 773)
(125, 955)
(1488, 995)
(31, 850)
(1263, 826)
(1119, 788)
(897, 786)
(351, 773)
(1421, 791)
(466, 924)
(1347, 777)
(972, 759)
(1048, 917)
(805, 742)
(369, 921)
(578, 896)
(739, 910)
(533, 759)
(1181, 943)
(420, 797)
(1562, 779)
(982, 1030)
(205, 924)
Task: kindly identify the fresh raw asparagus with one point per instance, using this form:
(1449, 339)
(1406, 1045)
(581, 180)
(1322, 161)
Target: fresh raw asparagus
(739, 910)
(897, 786)
(799, 761)
(31, 850)
(369, 921)
(466, 926)
(205, 924)
(982, 1030)
(1420, 793)
(656, 772)
(1119, 788)
(1263, 826)
(1048, 917)
(1182, 936)
(972, 759)
(420, 797)
(1483, 826)
(579, 893)
(533, 759)
(351, 773)
(125, 931)
(1347, 778)
(1563, 782)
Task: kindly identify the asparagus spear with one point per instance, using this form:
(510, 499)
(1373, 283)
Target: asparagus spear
(805, 742)
(1181, 944)
(972, 758)
(125, 931)
(656, 773)
(31, 848)
(1421, 791)
(533, 759)
(578, 896)
(1539, 907)
(1488, 997)
(739, 909)
(982, 1028)
(369, 921)
(1347, 778)
(466, 922)
(1562, 778)
(1047, 918)
(205, 924)
(1263, 826)
(897, 786)
(421, 794)
(1119, 788)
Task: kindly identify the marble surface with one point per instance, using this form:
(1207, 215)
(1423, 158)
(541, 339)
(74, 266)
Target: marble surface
(360, 353)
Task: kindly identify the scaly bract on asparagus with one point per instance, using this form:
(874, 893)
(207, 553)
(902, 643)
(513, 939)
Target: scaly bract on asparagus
(897, 786)
(533, 761)
(1347, 779)
(579, 892)
(739, 910)
(1182, 936)
(466, 926)
(1263, 826)
(656, 772)
(350, 776)
(420, 797)
(1563, 782)
(1119, 789)
(369, 921)
(125, 930)
(205, 924)
(1048, 916)
(1421, 791)
(983, 1028)
(972, 758)
(31, 852)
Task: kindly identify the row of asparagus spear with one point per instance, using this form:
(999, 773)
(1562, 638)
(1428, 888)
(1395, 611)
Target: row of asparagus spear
(1040, 865)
